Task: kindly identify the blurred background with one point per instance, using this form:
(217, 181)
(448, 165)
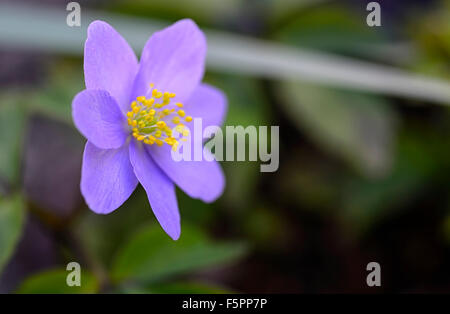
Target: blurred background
(364, 152)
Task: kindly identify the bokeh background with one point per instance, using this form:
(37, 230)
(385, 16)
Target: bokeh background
(364, 174)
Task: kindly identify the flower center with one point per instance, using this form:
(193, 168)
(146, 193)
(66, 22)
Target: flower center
(153, 119)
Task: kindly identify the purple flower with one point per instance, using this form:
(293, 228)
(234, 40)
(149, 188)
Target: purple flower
(128, 111)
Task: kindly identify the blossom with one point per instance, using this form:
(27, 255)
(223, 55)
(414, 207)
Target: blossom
(129, 111)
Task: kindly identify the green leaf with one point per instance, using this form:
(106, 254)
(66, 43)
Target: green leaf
(360, 128)
(91, 229)
(54, 281)
(11, 223)
(331, 28)
(55, 99)
(11, 135)
(432, 42)
(199, 10)
(151, 255)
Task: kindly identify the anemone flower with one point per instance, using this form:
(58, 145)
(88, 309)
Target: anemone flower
(128, 112)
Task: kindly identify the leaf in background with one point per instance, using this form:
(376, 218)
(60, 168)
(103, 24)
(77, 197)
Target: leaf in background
(431, 35)
(281, 8)
(268, 230)
(247, 105)
(54, 281)
(55, 99)
(12, 120)
(151, 255)
(92, 229)
(11, 222)
(203, 10)
(421, 163)
(357, 127)
(36, 251)
(331, 28)
(195, 211)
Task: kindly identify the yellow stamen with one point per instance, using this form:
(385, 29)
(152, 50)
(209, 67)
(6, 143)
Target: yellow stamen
(149, 102)
(176, 120)
(160, 124)
(148, 122)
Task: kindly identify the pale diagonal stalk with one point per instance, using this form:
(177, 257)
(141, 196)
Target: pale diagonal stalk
(45, 29)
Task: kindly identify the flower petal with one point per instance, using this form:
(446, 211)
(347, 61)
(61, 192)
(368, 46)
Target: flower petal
(199, 179)
(98, 117)
(160, 190)
(173, 59)
(208, 103)
(107, 178)
(109, 63)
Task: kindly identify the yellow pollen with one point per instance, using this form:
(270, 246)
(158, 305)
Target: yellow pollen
(176, 120)
(152, 125)
(149, 102)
